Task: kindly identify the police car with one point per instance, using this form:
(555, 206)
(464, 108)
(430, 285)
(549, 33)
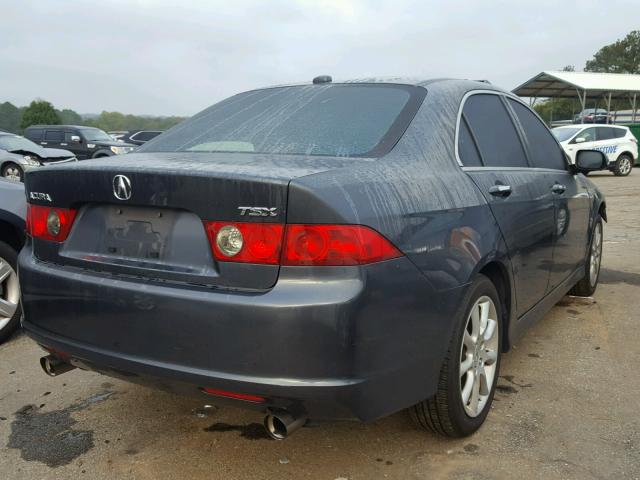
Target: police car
(618, 143)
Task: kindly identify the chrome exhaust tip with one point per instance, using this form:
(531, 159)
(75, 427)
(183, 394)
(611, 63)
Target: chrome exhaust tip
(53, 366)
(282, 424)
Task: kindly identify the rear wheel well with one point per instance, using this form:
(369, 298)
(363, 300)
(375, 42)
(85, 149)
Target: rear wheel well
(602, 211)
(11, 235)
(498, 275)
(629, 154)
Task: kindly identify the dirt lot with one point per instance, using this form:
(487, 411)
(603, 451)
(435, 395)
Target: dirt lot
(566, 407)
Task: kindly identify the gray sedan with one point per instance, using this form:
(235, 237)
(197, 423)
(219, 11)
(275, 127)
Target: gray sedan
(18, 155)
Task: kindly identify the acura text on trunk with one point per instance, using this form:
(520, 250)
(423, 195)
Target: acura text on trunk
(323, 251)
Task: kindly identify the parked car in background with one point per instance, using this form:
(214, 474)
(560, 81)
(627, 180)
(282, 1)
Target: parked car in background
(592, 115)
(616, 142)
(13, 208)
(18, 155)
(117, 134)
(321, 251)
(138, 137)
(84, 142)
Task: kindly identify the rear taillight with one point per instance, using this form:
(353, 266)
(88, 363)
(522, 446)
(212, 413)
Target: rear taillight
(269, 243)
(634, 140)
(335, 245)
(49, 223)
(245, 242)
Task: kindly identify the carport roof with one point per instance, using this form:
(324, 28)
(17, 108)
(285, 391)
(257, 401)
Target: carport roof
(554, 84)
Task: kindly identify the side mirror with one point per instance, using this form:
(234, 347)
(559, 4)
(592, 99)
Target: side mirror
(580, 140)
(75, 139)
(590, 160)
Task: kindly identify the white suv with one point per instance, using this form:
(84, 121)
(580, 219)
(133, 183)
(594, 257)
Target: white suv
(618, 143)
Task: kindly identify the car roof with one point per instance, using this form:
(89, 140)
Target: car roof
(411, 81)
(61, 126)
(589, 125)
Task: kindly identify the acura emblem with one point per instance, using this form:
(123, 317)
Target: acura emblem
(122, 187)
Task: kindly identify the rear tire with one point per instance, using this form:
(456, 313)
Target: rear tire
(623, 166)
(10, 309)
(587, 286)
(13, 171)
(463, 400)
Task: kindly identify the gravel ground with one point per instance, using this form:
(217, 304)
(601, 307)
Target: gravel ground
(566, 407)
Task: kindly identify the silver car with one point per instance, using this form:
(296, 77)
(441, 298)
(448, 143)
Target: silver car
(18, 155)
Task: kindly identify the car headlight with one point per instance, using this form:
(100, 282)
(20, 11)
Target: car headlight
(33, 161)
(121, 150)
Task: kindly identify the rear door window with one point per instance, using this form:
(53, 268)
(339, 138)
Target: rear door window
(34, 134)
(619, 132)
(496, 136)
(604, 133)
(544, 151)
(467, 149)
(54, 136)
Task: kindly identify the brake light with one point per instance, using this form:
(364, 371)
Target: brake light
(269, 243)
(335, 245)
(49, 223)
(634, 140)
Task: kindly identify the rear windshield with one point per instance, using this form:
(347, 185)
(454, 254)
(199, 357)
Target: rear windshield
(347, 120)
(563, 134)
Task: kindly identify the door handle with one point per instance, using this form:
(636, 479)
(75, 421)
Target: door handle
(500, 190)
(557, 188)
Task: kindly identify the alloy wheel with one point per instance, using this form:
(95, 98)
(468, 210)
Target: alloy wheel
(12, 173)
(9, 293)
(625, 166)
(478, 356)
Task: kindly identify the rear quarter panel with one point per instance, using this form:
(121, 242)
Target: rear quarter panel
(417, 196)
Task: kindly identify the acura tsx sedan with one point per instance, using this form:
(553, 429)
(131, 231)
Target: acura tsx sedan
(322, 251)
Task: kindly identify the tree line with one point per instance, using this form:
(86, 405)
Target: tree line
(621, 56)
(15, 119)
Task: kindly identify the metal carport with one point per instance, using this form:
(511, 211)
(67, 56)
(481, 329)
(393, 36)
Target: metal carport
(561, 84)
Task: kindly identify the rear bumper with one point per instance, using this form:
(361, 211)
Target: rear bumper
(334, 342)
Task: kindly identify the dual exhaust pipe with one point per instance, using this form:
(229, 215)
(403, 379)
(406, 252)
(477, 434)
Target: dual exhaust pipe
(53, 366)
(279, 425)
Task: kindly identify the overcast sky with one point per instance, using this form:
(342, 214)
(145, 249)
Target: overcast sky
(164, 58)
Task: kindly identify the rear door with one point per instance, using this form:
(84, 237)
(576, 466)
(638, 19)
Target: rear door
(607, 143)
(492, 152)
(571, 198)
(53, 138)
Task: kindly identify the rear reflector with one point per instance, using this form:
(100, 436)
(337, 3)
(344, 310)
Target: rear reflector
(238, 396)
(269, 243)
(49, 223)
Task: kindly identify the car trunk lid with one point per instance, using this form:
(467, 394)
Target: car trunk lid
(143, 214)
